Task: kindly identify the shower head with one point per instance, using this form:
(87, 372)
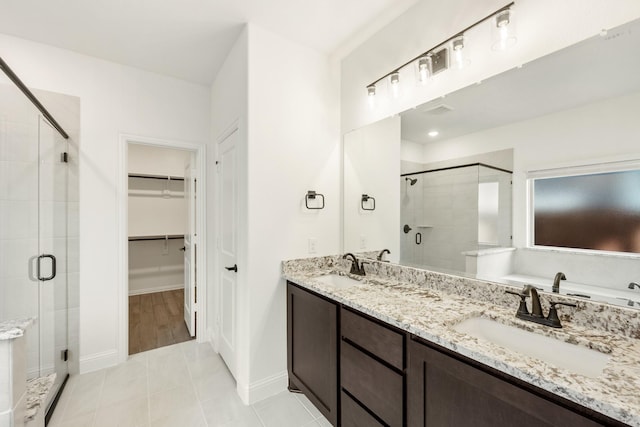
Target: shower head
(412, 181)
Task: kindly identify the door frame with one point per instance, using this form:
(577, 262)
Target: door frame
(123, 235)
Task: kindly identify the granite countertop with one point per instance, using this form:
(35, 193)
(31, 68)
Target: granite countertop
(37, 391)
(11, 329)
(429, 304)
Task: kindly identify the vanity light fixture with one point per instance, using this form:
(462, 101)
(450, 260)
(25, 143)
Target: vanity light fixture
(394, 81)
(459, 56)
(503, 32)
(436, 59)
(424, 68)
(371, 95)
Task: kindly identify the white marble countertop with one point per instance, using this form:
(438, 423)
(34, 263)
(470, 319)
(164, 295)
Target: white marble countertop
(11, 329)
(429, 304)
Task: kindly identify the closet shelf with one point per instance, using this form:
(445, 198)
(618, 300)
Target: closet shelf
(160, 237)
(163, 177)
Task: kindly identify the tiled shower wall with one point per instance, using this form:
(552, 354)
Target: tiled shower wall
(19, 214)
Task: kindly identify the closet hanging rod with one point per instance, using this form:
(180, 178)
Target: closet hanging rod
(24, 89)
(164, 177)
(165, 237)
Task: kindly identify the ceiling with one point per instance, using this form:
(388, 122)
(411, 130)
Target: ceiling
(187, 39)
(595, 69)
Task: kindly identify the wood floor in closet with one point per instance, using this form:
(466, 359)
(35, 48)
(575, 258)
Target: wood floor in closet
(156, 320)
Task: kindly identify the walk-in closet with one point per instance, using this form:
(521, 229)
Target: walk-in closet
(159, 203)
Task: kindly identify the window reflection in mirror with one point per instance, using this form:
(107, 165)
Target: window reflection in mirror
(599, 211)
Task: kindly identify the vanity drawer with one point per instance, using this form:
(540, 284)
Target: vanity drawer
(381, 341)
(373, 384)
(354, 415)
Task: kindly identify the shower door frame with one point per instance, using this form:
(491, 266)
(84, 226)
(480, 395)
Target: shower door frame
(123, 235)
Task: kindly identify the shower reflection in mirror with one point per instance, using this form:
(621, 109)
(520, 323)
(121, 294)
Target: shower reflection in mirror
(453, 210)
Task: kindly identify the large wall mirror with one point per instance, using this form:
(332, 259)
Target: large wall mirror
(446, 186)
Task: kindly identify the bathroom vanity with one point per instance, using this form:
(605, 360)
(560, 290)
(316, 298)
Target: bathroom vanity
(389, 349)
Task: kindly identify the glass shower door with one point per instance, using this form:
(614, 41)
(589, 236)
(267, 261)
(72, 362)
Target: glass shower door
(33, 232)
(51, 265)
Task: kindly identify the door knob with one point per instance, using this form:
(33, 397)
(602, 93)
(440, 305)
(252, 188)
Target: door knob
(183, 248)
(234, 268)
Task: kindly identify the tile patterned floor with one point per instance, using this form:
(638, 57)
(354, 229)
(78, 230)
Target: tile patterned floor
(182, 385)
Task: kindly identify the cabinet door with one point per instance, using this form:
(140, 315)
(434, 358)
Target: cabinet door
(445, 391)
(312, 349)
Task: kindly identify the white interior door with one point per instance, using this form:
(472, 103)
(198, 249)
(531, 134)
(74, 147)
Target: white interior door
(190, 247)
(228, 205)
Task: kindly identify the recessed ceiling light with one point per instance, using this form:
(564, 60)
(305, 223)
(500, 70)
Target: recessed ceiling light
(433, 133)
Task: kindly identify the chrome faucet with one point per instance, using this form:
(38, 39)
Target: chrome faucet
(356, 267)
(556, 282)
(633, 285)
(536, 315)
(381, 254)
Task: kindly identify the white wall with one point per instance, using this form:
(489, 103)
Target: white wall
(155, 266)
(372, 166)
(431, 21)
(294, 146)
(156, 207)
(283, 98)
(229, 109)
(149, 160)
(114, 99)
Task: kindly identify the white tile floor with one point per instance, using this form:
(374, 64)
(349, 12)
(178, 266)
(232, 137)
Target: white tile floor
(183, 385)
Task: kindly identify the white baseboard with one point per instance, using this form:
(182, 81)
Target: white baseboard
(264, 388)
(155, 289)
(97, 361)
(211, 336)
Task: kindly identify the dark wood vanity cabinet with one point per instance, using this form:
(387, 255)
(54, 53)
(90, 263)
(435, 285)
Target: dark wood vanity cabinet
(444, 389)
(372, 380)
(361, 372)
(312, 349)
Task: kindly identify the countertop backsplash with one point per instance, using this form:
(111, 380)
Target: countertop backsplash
(601, 316)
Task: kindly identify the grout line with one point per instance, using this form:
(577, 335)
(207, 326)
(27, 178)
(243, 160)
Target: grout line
(95, 412)
(258, 416)
(193, 385)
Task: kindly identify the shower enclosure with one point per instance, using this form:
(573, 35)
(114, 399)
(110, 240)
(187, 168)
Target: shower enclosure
(38, 240)
(448, 212)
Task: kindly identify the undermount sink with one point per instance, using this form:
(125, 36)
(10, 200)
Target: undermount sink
(574, 358)
(337, 280)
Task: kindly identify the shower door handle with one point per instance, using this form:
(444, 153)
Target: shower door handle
(53, 267)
